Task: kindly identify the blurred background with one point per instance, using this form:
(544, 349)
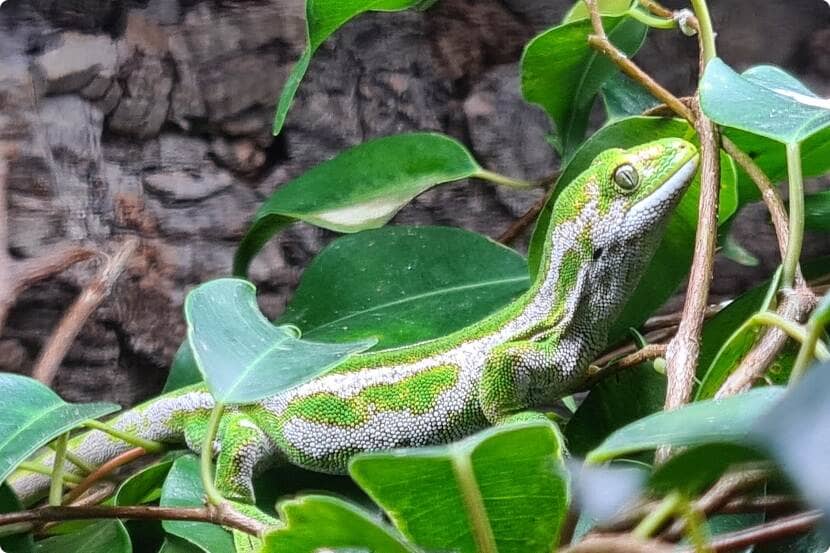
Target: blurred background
(153, 119)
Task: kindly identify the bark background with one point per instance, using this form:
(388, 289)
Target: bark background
(152, 118)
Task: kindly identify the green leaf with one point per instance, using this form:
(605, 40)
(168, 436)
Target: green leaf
(797, 433)
(721, 420)
(183, 371)
(817, 211)
(105, 536)
(563, 74)
(695, 469)
(172, 544)
(18, 543)
(672, 260)
(317, 522)
(361, 188)
(764, 100)
(183, 488)
(728, 324)
(606, 7)
(624, 97)
(323, 18)
(619, 399)
(145, 485)
(507, 482)
(34, 415)
(242, 356)
(404, 285)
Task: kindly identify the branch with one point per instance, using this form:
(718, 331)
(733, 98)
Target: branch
(103, 471)
(683, 350)
(217, 514)
(771, 531)
(519, 225)
(619, 543)
(73, 320)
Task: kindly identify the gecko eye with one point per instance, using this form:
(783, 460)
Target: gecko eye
(626, 177)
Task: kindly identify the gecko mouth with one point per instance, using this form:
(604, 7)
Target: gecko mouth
(664, 198)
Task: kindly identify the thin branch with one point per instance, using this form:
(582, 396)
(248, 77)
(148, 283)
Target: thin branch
(673, 319)
(683, 350)
(102, 472)
(770, 504)
(73, 320)
(223, 515)
(618, 543)
(519, 225)
(784, 527)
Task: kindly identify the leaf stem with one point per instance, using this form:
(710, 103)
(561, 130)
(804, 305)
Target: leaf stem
(707, 33)
(76, 460)
(42, 469)
(476, 511)
(794, 330)
(809, 347)
(503, 180)
(148, 445)
(695, 528)
(213, 494)
(56, 485)
(658, 517)
(651, 20)
(796, 189)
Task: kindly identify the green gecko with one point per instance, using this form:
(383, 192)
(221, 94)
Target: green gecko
(604, 229)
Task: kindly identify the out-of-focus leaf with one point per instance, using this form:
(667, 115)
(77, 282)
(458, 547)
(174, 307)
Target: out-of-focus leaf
(404, 285)
(563, 74)
(817, 211)
(183, 488)
(507, 482)
(242, 356)
(105, 536)
(602, 492)
(317, 522)
(695, 469)
(19, 543)
(797, 433)
(33, 415)
(361, 188)
(718, 420)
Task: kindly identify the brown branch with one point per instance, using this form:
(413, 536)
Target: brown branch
(618, 543)
(519, 225)
(223, 515)
(673, 319)
(102, 472)
(764, 503)
(784, 527)
(683, 350)
(73, 320)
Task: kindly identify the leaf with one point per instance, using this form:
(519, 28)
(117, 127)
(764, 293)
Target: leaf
(695, 469)
(715, 420)
(105, 536)
(183, 371)
(242, 356)
(18, 543)
(317, 522)
(145, 485)
(606, 7)
(617, 400)
(34, 415)
(624, 97)
(601, 492)
(672, 260)
(764, 100)
(404, 285)
(739, 340)
(812, 542)
(563, 74)
(323, 18)
(361, 188)
(797, 434)
(172, 544)
(508, 480)
(817, 211)
(183, 488)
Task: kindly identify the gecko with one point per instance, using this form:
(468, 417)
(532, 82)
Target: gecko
(604, 228)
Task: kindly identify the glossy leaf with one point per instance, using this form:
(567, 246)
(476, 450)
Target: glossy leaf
(695, 469)
(18, 543)
(764, 100)
(105, 536)
(672, 260)
(361, 188)
(183, 488)
(797, 433)
(34, 415)
(619, 399)
(172, 544)
(183, 370)
(317, 522)
(415, 284)
(624, 97)
(509, 479)
(817, 211)
(241, 355)
(323, 18)
(563, 74)
(727, 329)
(145, 485)
(722, 420)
